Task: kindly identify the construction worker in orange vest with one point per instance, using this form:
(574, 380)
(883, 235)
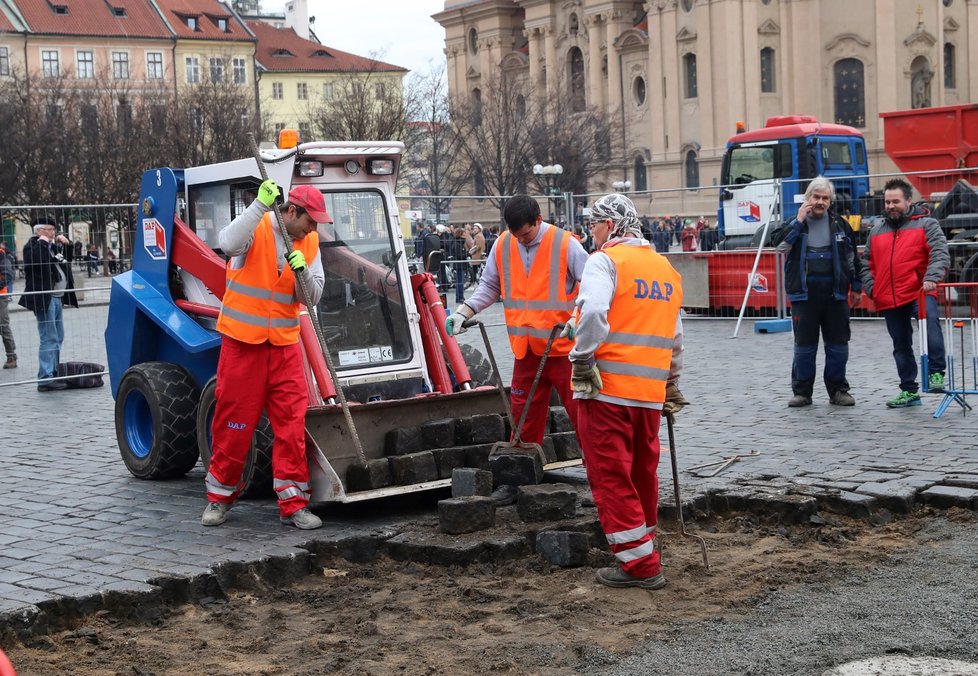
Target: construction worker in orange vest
(626, 362)
(534, 268)
(260, 367)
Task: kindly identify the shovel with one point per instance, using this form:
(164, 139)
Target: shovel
(517, 444)
(675, 485)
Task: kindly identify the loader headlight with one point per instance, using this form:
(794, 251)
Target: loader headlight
(380, 167)
(309, 168)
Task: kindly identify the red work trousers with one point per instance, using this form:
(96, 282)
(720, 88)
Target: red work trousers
(556, 374)
(621, 454)
(252, 378)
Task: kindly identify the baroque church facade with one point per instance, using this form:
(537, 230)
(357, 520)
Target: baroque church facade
(680, 74)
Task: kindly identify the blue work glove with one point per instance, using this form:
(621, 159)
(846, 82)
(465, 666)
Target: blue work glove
(585, 378)
(297, 261)
(268, 192)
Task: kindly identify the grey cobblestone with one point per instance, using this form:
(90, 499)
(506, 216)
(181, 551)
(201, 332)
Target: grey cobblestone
(95, 527)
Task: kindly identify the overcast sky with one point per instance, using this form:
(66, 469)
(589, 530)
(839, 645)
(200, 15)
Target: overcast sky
(401, 31)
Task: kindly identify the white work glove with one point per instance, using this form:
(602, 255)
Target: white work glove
(570, 329)
(585, 379)
(453, 325)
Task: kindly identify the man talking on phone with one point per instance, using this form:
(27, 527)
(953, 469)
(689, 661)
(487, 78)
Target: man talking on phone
(820, 268)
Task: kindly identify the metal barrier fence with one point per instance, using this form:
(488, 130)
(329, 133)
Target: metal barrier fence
(681, 223)
(957, 317)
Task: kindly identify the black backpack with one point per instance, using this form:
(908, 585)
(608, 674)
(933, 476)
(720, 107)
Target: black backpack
(81, 374)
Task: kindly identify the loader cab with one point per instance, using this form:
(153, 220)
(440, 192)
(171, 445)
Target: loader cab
(367, 308)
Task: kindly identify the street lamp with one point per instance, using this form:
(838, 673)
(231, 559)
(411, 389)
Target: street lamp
(622, 186)
(551, 174)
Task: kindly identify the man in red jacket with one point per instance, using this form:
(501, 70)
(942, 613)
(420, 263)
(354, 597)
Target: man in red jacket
(905, 253)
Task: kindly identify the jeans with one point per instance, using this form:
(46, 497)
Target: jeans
(9, 346)
(50, 326)
(899, 323)
(460, 277)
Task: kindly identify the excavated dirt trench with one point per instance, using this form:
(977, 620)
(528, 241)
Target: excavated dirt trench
(520, 616)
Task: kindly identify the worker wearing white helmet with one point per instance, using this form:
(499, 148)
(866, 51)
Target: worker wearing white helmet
(626, 363)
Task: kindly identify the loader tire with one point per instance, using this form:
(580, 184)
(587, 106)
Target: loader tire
(155, 409)
(256, 478)
(480, 369)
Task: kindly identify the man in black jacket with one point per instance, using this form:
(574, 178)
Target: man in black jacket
(48, 286)
(820, 269)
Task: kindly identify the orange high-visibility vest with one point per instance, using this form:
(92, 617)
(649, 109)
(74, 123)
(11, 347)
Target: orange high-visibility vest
(634, 359)
(260, 303)
(535, 300)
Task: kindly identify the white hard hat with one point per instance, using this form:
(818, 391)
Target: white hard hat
(478, 225)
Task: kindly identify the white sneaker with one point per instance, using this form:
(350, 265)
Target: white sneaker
(215, 514)
(303, 519)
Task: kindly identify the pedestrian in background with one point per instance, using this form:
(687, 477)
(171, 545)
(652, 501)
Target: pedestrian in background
(662, 237)
(49, 287)
(430, 244)
(821, 266)
(261, 364)
(905, 254)
(458, 252)
(477, 252)
(689, 236)
(7, 277)
(627, 358)
(534, 268)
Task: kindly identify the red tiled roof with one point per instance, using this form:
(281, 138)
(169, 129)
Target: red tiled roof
(93, 18)
(5, 24)
(207, 13)
(281, 50)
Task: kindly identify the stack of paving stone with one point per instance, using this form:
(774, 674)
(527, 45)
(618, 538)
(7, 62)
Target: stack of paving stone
(432, 450)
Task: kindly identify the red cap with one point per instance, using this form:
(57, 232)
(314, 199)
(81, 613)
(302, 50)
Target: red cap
(310, 199)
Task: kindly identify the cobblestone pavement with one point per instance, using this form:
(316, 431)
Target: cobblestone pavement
(75, 526)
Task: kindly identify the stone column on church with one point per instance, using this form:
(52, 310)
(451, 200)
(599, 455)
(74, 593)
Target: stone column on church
(614, 65)
(972, 62)
(533, 34)
(550, 36)
(595, 85)
(656, 88)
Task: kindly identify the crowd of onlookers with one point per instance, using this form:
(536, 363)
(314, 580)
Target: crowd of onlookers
(462, 248)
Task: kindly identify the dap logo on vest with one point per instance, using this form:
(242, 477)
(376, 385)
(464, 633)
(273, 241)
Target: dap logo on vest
(653, 290)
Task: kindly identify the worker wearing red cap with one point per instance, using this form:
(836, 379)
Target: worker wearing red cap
(260, 367)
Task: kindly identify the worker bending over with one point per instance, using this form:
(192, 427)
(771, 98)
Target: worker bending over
(626, 364)
(260, 367)
(534, 268)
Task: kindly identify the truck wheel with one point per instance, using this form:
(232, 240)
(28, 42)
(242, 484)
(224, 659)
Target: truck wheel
(256, 478)
(969, 273)
(479, 367)
(155, 410)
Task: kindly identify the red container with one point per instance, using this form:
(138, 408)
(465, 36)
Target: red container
(930, 139)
